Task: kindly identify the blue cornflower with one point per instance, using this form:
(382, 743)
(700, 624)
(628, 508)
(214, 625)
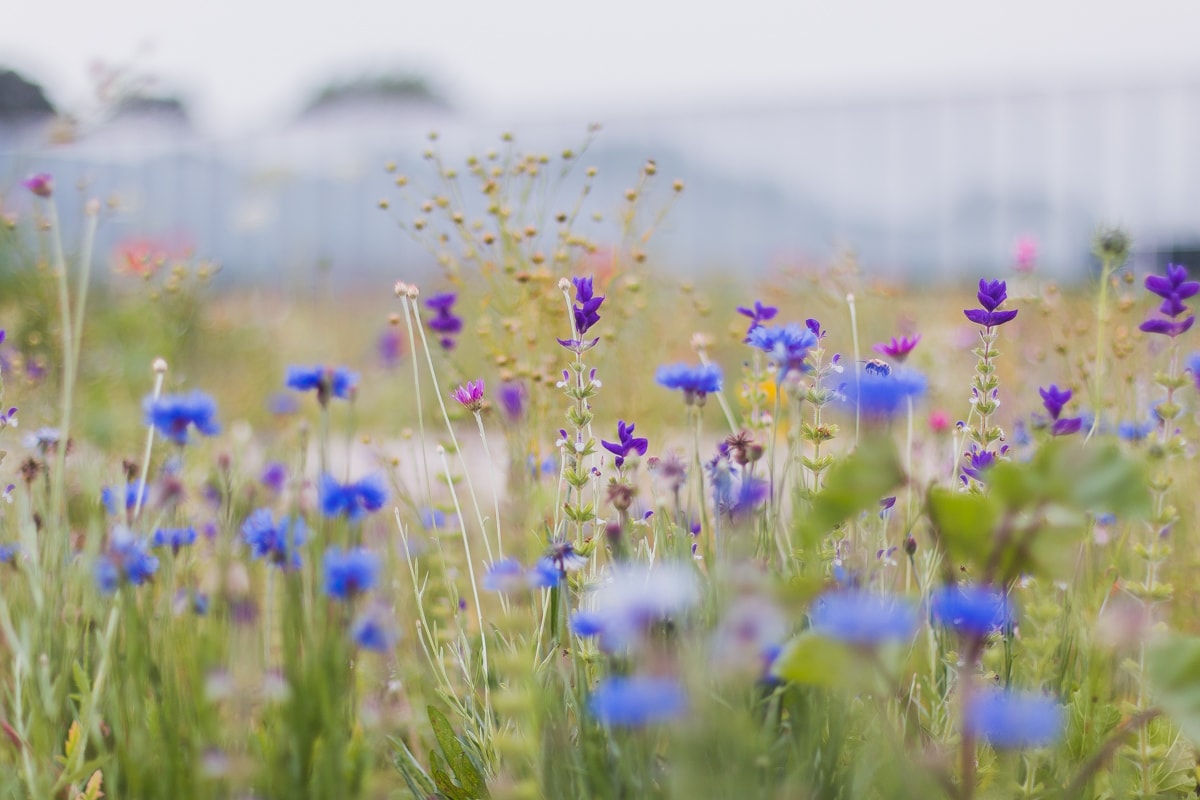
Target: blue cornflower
(432, 518)
(350, 573)
(276, 542)
(862, 618)
(735, 491)
(8, 552)
(1013, 720)
(544, 574)
(1135, 431)
(512, 398)
(758, 315)
(373, 630)
(625, 444)
(635, 600)
(126, 561)
(696, 382)
(352, 500)
(174, 538)
(991, 295)
(637, 701)
(785, 345)
(1193, 366)
(881, 394)
(111, 501)
(971, 610)
(328, 381)
(173, 414)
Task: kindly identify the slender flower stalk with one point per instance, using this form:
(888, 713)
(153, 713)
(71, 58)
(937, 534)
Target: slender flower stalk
(412, 295)
(857, 358)
(487, 451)
(1112, 247)
(401, 290)
(985, 395)
(160, 372)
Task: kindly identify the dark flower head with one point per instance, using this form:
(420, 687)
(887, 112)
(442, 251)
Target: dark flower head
(626, 443)
(350, 573)
(352, 500)
(512, 400)
(125, 561)
(445, 321)
(758, 315)
(991, 295)
(172, 415)
(470, 395)
(898, 349)
(696, 382)
(274, 476)
(41, 184)
(373, 630)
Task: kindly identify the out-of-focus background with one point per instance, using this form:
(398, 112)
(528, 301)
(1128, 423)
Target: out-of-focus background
(930, 139)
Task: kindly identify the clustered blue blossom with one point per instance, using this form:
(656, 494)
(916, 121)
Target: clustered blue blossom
(697, 382)
(349, 573)
(174, 538)
(974, 611)
(352, 500)
(786, 345)
(1010, 720)
(880, 393)
(125, 561)
(328, 382)
(173, 415)
(637, 701)
(277, 542)
(863, 618)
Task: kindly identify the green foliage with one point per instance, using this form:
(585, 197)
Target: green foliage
(852, 486)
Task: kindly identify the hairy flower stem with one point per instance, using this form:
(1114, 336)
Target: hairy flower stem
(404, 300)
(1106, 269)
(437, 390)
(159, 375)
(700, 482)
(487, 451)
(487, 698)
(58, 490)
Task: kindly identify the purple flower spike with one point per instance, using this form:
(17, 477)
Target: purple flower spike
(1054, 399)
(444, 322)
(898, 349)
(758, 315)
(470, 395)
(1173, 288)
(586, 313)
(991, 295)
(626, 444)
(41, 184)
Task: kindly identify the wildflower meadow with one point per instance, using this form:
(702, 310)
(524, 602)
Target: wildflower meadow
(537, 519)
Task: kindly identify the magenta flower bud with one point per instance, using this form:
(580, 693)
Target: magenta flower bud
(41, 184)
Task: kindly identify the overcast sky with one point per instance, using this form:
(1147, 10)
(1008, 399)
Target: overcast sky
(242, 63)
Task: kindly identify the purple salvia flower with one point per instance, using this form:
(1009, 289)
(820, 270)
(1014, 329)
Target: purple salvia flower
(626, 444)
(445, 321)
(758, 315)
(1054, 399)
(512, 400)
(1173, 288)
(587, 310)
(990, 295)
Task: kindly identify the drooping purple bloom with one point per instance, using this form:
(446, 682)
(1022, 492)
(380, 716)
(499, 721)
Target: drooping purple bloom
(785, 345)
(1173, 288)
(512, 400)
(40, 183)
(626, 443)
(990, 295)
(758, 315)
(172, 415)
(444, 322)
(353, 500)
(696, 382)
(898, 349)
(470, 395)
(1014, 720)
(1054, 399)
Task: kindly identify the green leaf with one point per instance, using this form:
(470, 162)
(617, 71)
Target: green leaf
(472, 782)
(1173, 669)
(814, 660)
(965, 524)
(445, 786)
(853, 485)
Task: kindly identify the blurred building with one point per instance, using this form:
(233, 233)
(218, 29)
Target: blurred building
(926, 186)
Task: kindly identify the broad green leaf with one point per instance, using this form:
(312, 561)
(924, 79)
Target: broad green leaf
(964, 523)
(814, 660)
(468, 776)
(447, 787)
(855, 484)
(1173, 669)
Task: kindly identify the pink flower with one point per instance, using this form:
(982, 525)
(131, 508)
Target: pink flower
(1026, 254)
(470, 395)
(41, 184)
(939, 422)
